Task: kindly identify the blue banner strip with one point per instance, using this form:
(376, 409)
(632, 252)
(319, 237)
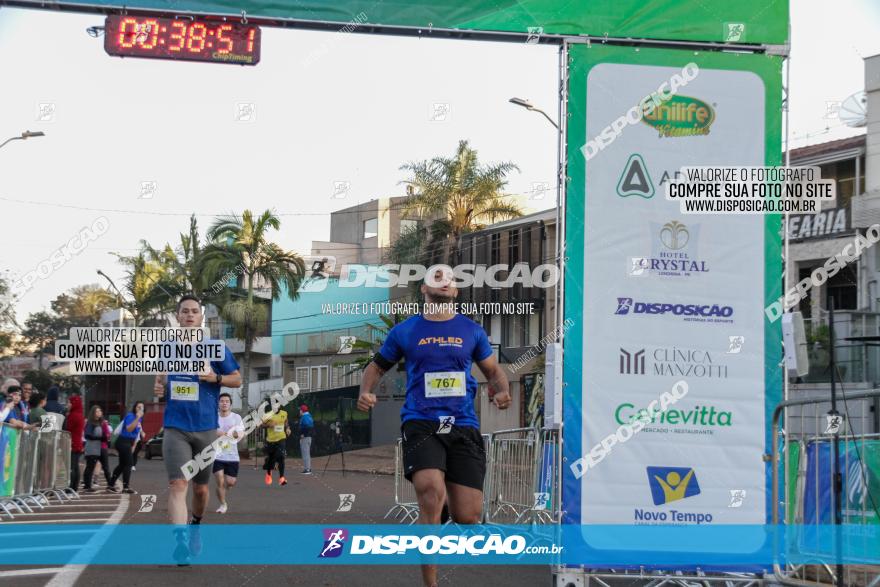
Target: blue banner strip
(595, 546)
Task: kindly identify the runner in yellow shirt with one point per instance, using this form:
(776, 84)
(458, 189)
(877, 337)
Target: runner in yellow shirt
(276, 443)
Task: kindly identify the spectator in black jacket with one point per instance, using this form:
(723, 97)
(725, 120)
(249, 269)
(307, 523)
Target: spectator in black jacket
(52, 403)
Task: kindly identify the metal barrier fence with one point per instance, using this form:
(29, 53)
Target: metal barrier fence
(35, 468)
(406, 507)
(521, 486)
(803, 467)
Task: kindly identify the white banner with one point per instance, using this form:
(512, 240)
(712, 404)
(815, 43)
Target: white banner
(671, 297)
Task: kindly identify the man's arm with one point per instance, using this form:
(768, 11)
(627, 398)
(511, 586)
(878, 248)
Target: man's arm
(19, 425)
(497, 380)
(232, 379)
(372, 374)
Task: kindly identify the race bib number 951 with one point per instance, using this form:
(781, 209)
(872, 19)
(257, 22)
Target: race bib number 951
(187, 391)
(445, 384)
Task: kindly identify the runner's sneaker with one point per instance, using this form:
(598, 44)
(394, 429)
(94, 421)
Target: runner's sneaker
(112, 489)
(283, 481)
(221, 509)
(268, 478)
(128, 490)
(307, 472)
(133, 469)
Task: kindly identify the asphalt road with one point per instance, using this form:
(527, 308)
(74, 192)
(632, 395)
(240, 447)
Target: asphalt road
(305, 500)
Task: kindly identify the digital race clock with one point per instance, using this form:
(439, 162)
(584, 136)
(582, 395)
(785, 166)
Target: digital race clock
(182, 39)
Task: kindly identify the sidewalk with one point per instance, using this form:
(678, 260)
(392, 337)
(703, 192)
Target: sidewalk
(376, 460)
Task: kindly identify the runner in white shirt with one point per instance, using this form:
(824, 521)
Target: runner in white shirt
(226, 463)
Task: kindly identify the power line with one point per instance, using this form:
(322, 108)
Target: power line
(399, 206)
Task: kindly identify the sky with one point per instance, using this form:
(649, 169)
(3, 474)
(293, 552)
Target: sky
(329, 109)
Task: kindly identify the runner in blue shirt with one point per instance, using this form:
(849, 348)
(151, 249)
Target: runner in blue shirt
(443, 453)
(191, 419)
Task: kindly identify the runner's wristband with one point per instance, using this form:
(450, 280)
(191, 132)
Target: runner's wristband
(383, 363)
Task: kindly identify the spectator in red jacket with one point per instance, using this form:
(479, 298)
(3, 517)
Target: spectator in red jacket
(75, 424)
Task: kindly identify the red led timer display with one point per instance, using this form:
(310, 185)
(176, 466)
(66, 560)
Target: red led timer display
(182, 39)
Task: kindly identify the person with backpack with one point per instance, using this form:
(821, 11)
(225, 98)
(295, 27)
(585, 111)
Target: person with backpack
(97, 435)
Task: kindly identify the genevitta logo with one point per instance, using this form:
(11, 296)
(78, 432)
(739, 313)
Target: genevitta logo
(690, 312)
(334, 542)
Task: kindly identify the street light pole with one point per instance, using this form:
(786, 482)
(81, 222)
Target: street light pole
(129, 380)
(25, 135)
(528, 106)
(119, 299)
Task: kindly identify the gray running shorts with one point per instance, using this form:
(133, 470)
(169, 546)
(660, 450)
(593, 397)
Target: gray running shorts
(180, 446)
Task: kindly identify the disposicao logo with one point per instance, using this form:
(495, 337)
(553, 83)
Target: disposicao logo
(670, 484)
(625, 305)
(334, 541)
(681, 116)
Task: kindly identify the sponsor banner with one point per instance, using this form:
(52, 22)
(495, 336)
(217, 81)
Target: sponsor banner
(657, 294)
(393, 544)
(8, 460)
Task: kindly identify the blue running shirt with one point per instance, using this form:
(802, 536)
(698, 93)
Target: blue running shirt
(438, 357)
(192, 405)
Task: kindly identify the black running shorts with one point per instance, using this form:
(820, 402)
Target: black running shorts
(459, 453)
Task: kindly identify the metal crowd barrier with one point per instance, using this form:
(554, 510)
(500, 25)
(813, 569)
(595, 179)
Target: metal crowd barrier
(35, 468)
(522, 478)
(521, 484)
(802, 469)
(406, 507)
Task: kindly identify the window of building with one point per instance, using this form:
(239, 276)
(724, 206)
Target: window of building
(844, 172)
(842, 289)
(513, 247)
(407, 225)
(302, 378)
(342, 377)
(318, 378)
(371, 228)
(514, 330)
(495, 249)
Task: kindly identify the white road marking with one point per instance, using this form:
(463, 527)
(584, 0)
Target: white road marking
(68, 513)
(26, 572)
(69, 574)
(76, 521)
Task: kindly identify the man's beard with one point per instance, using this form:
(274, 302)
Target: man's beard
(438, 299)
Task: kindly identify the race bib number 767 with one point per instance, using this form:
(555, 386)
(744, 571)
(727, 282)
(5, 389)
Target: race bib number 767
(445, 384)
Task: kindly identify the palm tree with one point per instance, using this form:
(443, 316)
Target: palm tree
(149, 285)
(464, 194)
(187, 264)
(242, 242)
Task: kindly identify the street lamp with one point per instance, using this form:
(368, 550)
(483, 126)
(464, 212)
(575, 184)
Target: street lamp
(25, 135)
(119, 298)
(528, 106)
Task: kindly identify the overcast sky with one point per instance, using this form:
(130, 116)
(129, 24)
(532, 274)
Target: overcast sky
(329, 108)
